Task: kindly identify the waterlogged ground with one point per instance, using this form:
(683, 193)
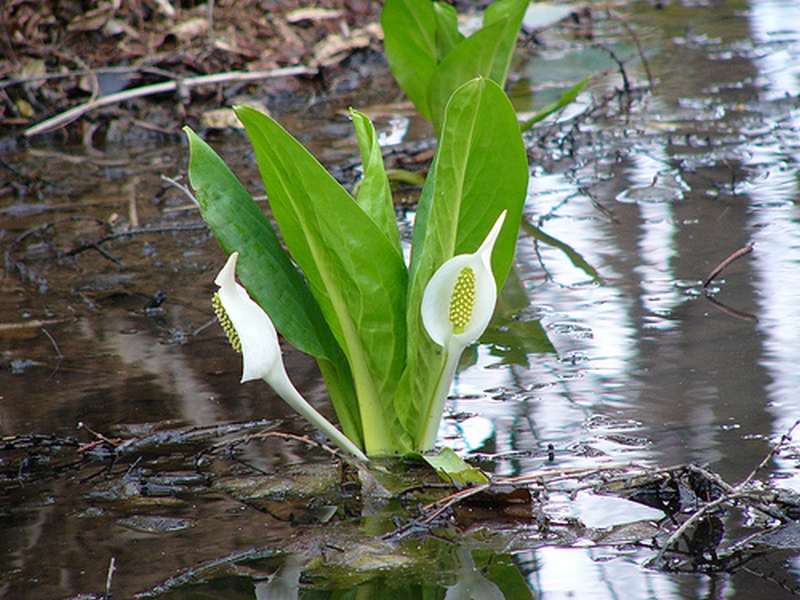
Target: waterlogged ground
(133, 461)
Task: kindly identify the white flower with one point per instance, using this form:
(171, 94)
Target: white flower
(251, 332)
(456, 308)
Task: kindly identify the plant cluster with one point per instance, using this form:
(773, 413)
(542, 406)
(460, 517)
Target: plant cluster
(387, 331)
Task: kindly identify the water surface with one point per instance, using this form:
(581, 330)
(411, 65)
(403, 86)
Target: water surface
(652, 190)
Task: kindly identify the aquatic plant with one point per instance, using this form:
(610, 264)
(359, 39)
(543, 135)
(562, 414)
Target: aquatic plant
(430, 57)
(386, 332)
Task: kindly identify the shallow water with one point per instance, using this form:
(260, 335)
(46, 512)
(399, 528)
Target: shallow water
(653, 191)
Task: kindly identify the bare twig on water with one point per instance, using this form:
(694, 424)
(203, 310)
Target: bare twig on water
(719, 268)
(732, 312)
(160, 88)
(99, 438)
(53, 342)
(732, 493)
(637, 42)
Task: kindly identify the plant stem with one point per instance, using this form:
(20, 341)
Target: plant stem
(293, 398)
(436, 408)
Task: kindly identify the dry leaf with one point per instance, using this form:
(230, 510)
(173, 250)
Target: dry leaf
(313, 14)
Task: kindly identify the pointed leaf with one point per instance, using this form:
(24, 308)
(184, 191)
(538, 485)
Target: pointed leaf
(480, 169)
(454, 469)
(486, 53)
(354, 272)
(447, 34)
(566, 98)
(375, 193)
(511, 13)
(409, 40)
(265, 268)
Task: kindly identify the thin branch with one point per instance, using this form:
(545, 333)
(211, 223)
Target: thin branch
(160, 88)
(177, 184)
(731, 494)
(638, 44)
(719, 268)
(95, 244)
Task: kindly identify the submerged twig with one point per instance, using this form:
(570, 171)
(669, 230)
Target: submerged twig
(112, 568)
(627, 27)
(95, 244)
(719, 268)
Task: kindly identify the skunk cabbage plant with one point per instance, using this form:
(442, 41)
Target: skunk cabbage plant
(386, 331)
(430, 57)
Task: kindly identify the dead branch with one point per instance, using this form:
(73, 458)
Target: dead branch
(721, 266)
(160, 88)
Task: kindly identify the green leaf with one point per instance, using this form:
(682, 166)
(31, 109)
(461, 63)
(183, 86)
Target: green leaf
(447, 34)
(452, 468)
(356, 275)
(510, 13)
(409, 40)
(566, 98)
(480, 169)
(503, 571)
(264, 268)
(268, 274)
(375, 193)
(486, 53)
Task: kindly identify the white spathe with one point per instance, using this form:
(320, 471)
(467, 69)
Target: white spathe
(438, 297)
(456, 308)
(261, 352)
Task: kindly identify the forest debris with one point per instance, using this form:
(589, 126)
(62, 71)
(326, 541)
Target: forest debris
(336, 47)
(191, 28)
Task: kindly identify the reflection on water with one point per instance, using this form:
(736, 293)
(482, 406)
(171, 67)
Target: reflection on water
(648, 369)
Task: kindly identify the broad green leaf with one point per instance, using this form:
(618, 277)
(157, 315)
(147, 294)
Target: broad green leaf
(573, 255)
(267, 272)
(354, 272)
(472, 58)
(375, 193)
(409, 40)
(480, 169)
(486, 53)
(566, 98)
(264, 268)
(447, 33)
(452, 468)
(511, 13)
